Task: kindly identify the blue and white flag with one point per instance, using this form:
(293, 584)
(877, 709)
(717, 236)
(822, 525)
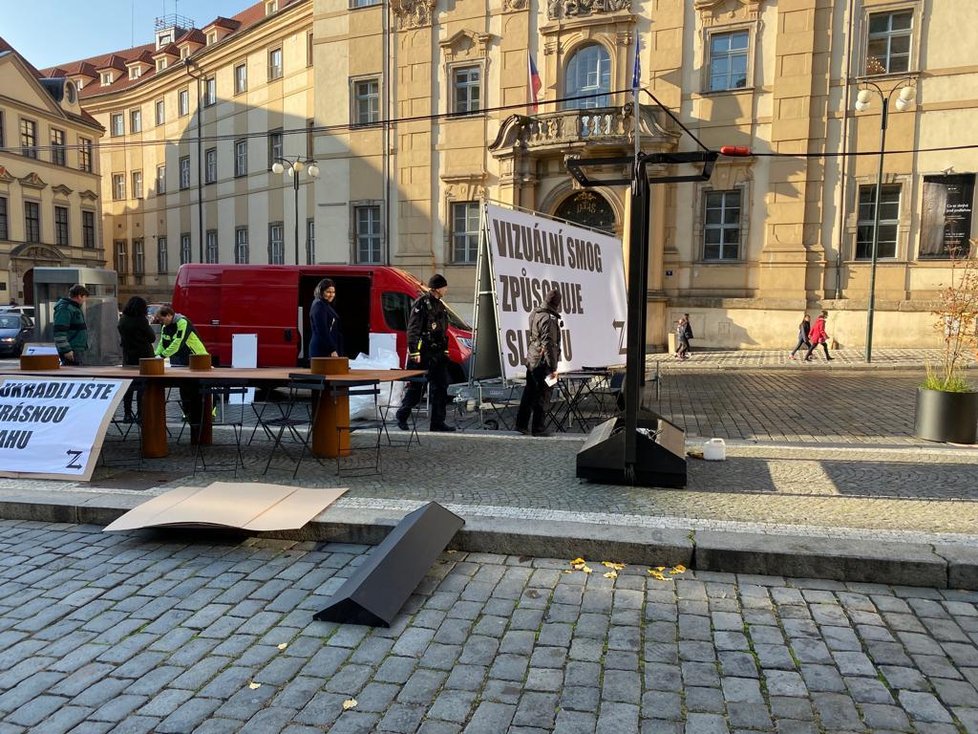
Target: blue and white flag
(637, 65)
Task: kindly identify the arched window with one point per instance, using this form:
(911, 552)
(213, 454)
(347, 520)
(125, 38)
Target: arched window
(588, 72)
(588, 209)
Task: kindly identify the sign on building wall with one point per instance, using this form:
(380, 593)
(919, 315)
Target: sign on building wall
(947, 212)
(528, 256)
(53, 427)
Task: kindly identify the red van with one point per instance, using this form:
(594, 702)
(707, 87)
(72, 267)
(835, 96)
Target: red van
(273, 302)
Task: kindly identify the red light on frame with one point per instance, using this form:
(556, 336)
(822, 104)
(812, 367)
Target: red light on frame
(735, 151)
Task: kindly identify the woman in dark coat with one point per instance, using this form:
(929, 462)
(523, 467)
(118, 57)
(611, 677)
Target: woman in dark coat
(803, 329)
(327, 338)
(137, 343)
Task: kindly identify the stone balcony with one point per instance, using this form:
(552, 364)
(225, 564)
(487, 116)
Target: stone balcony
(608, 130)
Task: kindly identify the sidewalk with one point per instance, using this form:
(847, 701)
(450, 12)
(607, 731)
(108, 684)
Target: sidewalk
(842, 359)
(823, 478)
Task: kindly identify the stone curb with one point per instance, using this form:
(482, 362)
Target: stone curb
(893, 563)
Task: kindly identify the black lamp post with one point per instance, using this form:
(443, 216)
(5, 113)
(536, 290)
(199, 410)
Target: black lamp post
(863, 101)
(188, 63)
(295, 166)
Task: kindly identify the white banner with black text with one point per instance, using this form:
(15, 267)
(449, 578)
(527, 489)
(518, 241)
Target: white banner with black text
(53, 427)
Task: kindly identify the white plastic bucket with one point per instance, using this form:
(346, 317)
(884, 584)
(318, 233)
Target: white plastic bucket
(715, 450)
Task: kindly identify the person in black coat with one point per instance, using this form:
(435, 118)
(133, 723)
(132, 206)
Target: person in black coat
(137, 339)
(327, 337)
(803, 330)
(427, 336)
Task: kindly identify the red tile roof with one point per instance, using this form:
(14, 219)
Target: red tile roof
(118, 59)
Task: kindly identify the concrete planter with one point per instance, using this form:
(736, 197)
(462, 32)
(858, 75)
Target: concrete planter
(951, 417)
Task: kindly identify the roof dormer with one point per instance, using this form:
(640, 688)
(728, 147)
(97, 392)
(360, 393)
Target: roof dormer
(219, 29)
(110, 70)
(190, 43)
(140, 65)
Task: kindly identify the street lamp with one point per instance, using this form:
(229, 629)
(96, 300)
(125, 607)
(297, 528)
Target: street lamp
(188, 64)
(296, 166)
(863, 102)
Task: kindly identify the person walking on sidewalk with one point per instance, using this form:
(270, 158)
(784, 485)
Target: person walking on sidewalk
(682, 340)
(689, 331)
(817, 336)
(543, 354)
(803, 330)
(427, 338)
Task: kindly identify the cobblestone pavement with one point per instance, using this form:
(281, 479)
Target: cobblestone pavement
(163, 632)
(828, 452)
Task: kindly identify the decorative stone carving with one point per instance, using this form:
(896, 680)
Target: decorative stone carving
(413, 13)
(5, 176)
(61, 190)
(466, 44)
(714, 11)
(88, 195)
(512, 5)
(32, 181)
(557, 9)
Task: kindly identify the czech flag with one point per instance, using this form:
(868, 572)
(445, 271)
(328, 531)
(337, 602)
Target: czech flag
(533, 79)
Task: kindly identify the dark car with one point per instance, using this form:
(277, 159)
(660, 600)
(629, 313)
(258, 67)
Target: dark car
(15, 330)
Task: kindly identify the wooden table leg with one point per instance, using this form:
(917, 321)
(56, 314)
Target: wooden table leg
(152, 412)
(331, 429)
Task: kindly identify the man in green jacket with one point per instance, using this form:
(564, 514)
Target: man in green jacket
(70, 330)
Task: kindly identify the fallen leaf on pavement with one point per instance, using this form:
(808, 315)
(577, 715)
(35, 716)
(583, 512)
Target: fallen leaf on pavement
(611, 575)
(283, 645)
(254, 685)
(349, 704)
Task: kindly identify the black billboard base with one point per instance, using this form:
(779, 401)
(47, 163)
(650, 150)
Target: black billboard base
(660, 454)
(377, 590)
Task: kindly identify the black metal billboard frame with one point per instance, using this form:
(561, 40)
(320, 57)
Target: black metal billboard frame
(638, 260)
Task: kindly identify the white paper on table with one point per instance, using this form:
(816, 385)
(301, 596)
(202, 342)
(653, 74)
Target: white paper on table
(244, 353)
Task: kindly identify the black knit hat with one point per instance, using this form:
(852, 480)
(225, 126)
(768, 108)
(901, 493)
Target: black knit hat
(553, 298)
(437, 281)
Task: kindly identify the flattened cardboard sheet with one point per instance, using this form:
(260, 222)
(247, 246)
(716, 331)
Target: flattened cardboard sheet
(248, 505)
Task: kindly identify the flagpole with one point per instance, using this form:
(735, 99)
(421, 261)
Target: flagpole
(636, 82)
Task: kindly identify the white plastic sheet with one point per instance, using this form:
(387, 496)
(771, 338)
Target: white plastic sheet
(362, 406)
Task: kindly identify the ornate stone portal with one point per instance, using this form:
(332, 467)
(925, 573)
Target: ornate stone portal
(413, 13)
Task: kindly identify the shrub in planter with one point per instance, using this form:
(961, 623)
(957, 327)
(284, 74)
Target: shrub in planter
(947, 404)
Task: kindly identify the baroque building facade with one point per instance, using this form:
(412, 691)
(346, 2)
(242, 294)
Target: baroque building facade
(50, 200)
(417, 110)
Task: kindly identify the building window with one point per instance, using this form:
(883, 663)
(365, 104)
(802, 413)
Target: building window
(728, 60)
(363, 3)
(367, 233)
(271, 6)
(588, 76)
(57, 146)
(309, 48)
(466, 89)
(4, 220)
(160, 64)
(185, 248)
(241, 157)
(210, 165)
(162, 256)
(276, 244)
(85, 154)
(274, 146)
(32, 221)
(137, 184)
(138, 257)
(160, 112)
(160, 180)
(117, 125)
(889, 220)
(212, 38)
(465, 231)
(183, 103)
(211, 249)
(366, 101)
(241, 253)
(210, 91)
(3, 135)
(118, 186)
(135, 72)
(88, 229)
(121, 257)
(310, 241)
(61, 225)
(28, 138)
(721, 225)
(185, 172)
(240, 78)
(185, 52)
(274, 64)
(105, 78)
(135, 121)
(888, 45)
